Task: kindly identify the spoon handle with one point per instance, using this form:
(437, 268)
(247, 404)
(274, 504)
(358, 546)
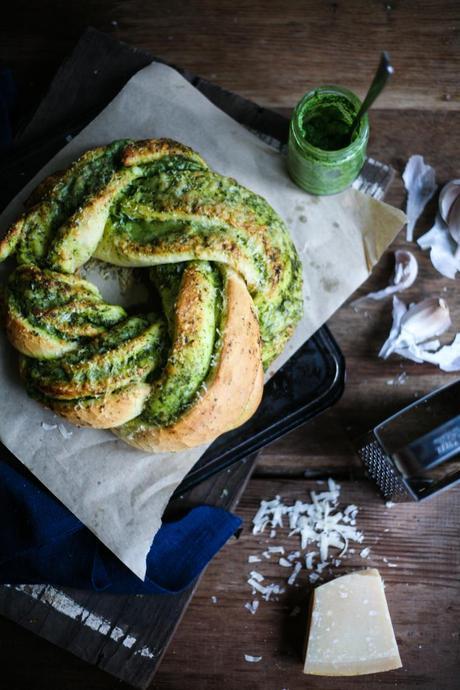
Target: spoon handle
(384, 72)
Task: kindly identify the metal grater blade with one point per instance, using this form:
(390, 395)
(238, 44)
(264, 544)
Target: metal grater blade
(380, 470)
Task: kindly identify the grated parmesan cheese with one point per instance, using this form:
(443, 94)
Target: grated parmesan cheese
(317, 522)
(285, 563)
(252, 606)
(65, 433)
(295, 573)
(257, 576)
(48, 427)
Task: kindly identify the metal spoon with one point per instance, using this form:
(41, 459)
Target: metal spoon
(383, 73)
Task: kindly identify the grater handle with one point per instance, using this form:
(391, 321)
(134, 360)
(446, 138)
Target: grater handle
(430, 450)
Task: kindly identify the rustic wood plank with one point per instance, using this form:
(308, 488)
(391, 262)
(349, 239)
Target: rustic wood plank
(422, 590)
(290, 48)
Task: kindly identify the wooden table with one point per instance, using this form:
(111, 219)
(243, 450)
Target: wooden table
(273, 52)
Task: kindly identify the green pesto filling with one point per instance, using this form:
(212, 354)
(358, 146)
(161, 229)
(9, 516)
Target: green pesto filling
(326, 122)
(102, 362)
(190, 357)
(152, 219)
(62, 308)
(83, 179)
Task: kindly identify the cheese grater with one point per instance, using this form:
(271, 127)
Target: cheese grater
(415, 453)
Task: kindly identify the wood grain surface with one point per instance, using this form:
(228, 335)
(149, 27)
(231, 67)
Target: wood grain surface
(272, 52)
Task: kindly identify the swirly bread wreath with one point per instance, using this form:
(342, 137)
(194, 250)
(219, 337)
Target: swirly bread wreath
(221, 260)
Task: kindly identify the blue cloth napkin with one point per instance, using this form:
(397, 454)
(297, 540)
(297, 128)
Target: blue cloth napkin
(42, 542)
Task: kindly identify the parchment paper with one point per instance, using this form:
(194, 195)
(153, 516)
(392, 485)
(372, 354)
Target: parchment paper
(120, 493)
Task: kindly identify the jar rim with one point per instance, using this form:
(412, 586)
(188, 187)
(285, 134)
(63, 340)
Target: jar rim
(358, 141)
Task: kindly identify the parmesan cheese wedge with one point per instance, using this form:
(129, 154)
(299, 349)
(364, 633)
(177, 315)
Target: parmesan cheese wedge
(350, 628)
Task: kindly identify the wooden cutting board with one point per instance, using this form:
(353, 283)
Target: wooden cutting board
(125, 635)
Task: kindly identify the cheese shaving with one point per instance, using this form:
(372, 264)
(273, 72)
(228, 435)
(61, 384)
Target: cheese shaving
(48, 427)
(256, 576)
(284, 563)
(295, 573)
(309, 559)
(252, 606)
(65, 433)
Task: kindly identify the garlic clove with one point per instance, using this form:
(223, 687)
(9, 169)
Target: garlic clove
(427, 319)
(405, 273)
(453, 219)
(443, 250)
(406, 269)
(447, 196)
(420, 182)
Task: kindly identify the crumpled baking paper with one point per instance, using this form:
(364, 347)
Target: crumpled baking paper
(120, 493)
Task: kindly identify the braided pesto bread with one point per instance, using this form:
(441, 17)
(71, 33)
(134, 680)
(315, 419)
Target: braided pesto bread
(220, 259)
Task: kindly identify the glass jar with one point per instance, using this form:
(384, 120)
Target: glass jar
(321, 159)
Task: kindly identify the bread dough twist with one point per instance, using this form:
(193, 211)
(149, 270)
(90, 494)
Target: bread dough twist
(220, 259)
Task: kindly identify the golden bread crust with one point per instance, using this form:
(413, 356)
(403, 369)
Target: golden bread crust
(107, 411)
(233, 394)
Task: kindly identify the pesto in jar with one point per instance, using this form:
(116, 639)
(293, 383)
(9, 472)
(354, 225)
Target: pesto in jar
(322, 156)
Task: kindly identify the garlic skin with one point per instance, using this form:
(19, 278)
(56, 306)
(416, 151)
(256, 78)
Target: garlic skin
(447, 358)
(453, 219)
(447, 196)
(399, 309)
(421, 322)
(420, 182)
(405, 274)
(443, 240)
(443, 249)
